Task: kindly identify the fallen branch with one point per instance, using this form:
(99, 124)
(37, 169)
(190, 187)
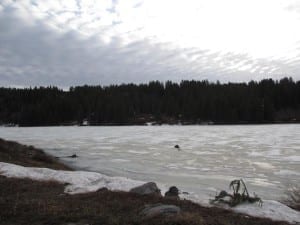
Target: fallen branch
(240, 195)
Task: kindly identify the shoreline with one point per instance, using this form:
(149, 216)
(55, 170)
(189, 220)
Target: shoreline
(24, 155)
(192, 212)
(158, 124)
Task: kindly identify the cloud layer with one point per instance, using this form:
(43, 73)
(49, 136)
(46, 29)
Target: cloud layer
(75, 42)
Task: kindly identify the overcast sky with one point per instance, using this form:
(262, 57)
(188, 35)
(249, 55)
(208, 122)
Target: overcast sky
(76, 42)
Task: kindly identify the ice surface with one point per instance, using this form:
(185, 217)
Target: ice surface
(81, 182)
(267, 157)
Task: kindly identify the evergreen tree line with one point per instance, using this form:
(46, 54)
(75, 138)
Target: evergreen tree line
(187, 102)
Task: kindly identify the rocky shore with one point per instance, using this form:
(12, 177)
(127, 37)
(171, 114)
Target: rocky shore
(27, 201)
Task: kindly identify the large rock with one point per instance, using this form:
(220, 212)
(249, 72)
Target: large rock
(146, 189)
(160, 210)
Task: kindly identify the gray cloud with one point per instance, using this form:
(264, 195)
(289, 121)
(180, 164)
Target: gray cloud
(34, 53)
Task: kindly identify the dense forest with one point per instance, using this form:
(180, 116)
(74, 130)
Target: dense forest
(187, 102)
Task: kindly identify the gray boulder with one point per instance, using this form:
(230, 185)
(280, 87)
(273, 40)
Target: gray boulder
(146, 189)
(160, 210)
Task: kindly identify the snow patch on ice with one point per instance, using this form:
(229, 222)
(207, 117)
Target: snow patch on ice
(190, 168)
(264, 165)
(138, 152)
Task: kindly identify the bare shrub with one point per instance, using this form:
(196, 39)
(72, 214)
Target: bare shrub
(293, 197)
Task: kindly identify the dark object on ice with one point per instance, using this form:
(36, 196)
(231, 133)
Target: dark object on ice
(160, 210)
(146, 189)
(177, 146)
(238, 196)
(69, 156)
(173, 192)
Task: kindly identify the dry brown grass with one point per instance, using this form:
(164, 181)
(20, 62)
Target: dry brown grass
(23, 201)
(293, 197)
(13, 152)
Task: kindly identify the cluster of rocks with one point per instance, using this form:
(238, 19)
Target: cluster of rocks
(151, 188)
(159, 208)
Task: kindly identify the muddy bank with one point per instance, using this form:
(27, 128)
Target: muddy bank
(13, 152)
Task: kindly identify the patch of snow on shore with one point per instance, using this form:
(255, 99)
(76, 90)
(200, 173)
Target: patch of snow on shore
(78, 181)
(270, 209)
(81, 182)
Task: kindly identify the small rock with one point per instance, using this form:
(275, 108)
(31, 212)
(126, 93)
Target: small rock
(146, 189)
(103, 189)
(173, 193)
(160, 210)
(177, 146)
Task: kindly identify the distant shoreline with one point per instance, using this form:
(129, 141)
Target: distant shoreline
(156, 124)
(188, 102)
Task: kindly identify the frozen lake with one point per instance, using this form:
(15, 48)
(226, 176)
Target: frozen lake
(267, 157)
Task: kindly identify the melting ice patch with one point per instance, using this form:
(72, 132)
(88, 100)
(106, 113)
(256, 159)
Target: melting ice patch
(264, 165)
(120, 160)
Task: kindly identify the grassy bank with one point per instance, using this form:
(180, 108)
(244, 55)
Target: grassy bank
(24, 201)
(13, 152)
